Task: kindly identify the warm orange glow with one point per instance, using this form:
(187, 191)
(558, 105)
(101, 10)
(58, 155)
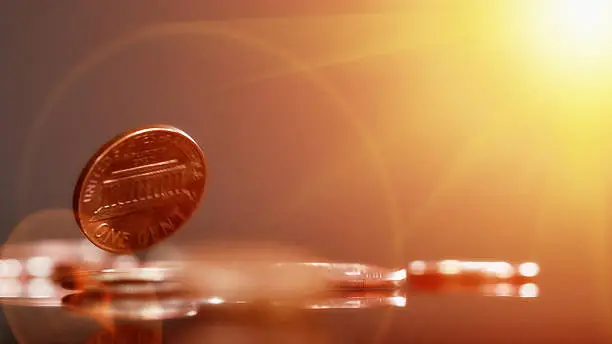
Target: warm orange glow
(215, 300)
(569, 48)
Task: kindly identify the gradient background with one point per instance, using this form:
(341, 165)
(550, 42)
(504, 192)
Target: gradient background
(375, 131)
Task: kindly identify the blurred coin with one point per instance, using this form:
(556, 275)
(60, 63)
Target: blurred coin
(133, 280)
(139, 188)
(140, 274)
(128, 307)
(354, 299)
(360, 276)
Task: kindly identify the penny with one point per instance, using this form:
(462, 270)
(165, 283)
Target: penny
(139, 188)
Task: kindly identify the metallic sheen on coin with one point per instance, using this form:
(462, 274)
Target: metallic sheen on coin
(140, 188)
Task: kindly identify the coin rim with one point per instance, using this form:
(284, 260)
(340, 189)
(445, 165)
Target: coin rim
(134, 274)
(103, 151)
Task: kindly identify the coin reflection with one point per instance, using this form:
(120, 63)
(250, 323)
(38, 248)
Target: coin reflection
(359, 300)
(239, 334)
(130, 307)
(127, 334)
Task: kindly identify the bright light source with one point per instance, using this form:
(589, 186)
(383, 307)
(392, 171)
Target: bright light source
(585, 23)
(576, 27)
(398, 301)
(399, 275)
(215, 300)
(473, 266)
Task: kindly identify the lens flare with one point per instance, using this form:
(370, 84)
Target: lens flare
(449, 267)
(529, 269)
(41, 266)
(529, 290)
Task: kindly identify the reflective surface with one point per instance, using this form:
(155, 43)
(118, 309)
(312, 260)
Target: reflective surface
(265, 291)
(126, 318)
(147, 301)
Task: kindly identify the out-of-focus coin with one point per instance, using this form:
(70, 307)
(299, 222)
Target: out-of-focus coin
(139, 188)
(139, 280)
(126, 287)
(140, 288)
(124, 307)
(139, 274)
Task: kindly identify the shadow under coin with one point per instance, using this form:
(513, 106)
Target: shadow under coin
(311, 320)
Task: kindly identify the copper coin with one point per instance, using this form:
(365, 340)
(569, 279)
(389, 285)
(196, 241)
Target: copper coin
(140, 188)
